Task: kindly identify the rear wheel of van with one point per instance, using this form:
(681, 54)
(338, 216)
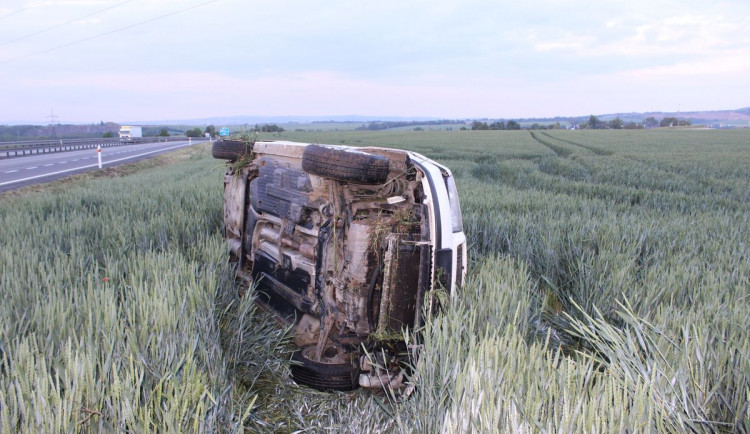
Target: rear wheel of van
(347, 165)
(231, 150)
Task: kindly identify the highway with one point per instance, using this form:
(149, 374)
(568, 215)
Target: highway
(22, 171)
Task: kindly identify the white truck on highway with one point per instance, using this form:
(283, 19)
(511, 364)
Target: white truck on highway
(128, 132)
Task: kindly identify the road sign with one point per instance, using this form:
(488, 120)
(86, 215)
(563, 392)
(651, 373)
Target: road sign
(224, 132)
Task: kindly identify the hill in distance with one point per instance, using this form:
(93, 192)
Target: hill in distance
(739, 117)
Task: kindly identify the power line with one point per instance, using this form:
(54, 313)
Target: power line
(10, 14)
(26, 56)
(63, 24)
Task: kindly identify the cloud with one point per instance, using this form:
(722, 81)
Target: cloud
(709, 69)
(88, 21)
(685, 33)
(568, 42)
(309, 92)
(48, 3)
(436, 58)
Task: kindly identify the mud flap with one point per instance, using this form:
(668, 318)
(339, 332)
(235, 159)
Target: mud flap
(398, 302)
(235, 188)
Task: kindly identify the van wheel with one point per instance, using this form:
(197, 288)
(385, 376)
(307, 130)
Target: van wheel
(231, 150)
(347, 165)
(334, 371)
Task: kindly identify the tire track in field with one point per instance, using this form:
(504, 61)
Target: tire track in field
(558, 150)
(595, 150)
(704, 185)
(701, 185)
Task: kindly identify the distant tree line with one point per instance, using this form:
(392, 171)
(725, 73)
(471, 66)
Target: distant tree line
(594, 123)
(384, 125)
(538, 126)
(195, 132)
(268, 128)
(11, 133)
(159, 131)
(497, 125)
(211, 130)
(674, 122)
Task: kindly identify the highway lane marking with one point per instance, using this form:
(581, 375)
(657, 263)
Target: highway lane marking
(51, 164)
(89, 166)
(11, 171)
(32, 167)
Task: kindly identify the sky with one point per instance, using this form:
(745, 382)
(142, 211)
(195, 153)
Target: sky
(84, 61)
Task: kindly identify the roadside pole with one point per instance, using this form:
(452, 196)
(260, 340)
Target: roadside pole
(99, 154)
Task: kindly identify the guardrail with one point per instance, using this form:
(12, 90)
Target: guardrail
(27, 148)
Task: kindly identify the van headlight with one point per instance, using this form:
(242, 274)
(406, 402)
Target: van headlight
(456, 219)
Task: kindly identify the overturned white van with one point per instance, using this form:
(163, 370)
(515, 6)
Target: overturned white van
(347, 245)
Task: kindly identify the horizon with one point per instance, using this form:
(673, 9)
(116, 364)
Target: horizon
(80, 61)
(231, 120)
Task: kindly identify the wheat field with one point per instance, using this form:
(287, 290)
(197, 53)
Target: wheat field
(608, 291)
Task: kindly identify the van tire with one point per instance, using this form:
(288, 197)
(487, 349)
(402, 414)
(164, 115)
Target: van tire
(323, 376)
(345, 165)
(231, 150)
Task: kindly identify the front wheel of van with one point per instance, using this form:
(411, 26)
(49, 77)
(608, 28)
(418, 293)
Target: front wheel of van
(336, 370)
